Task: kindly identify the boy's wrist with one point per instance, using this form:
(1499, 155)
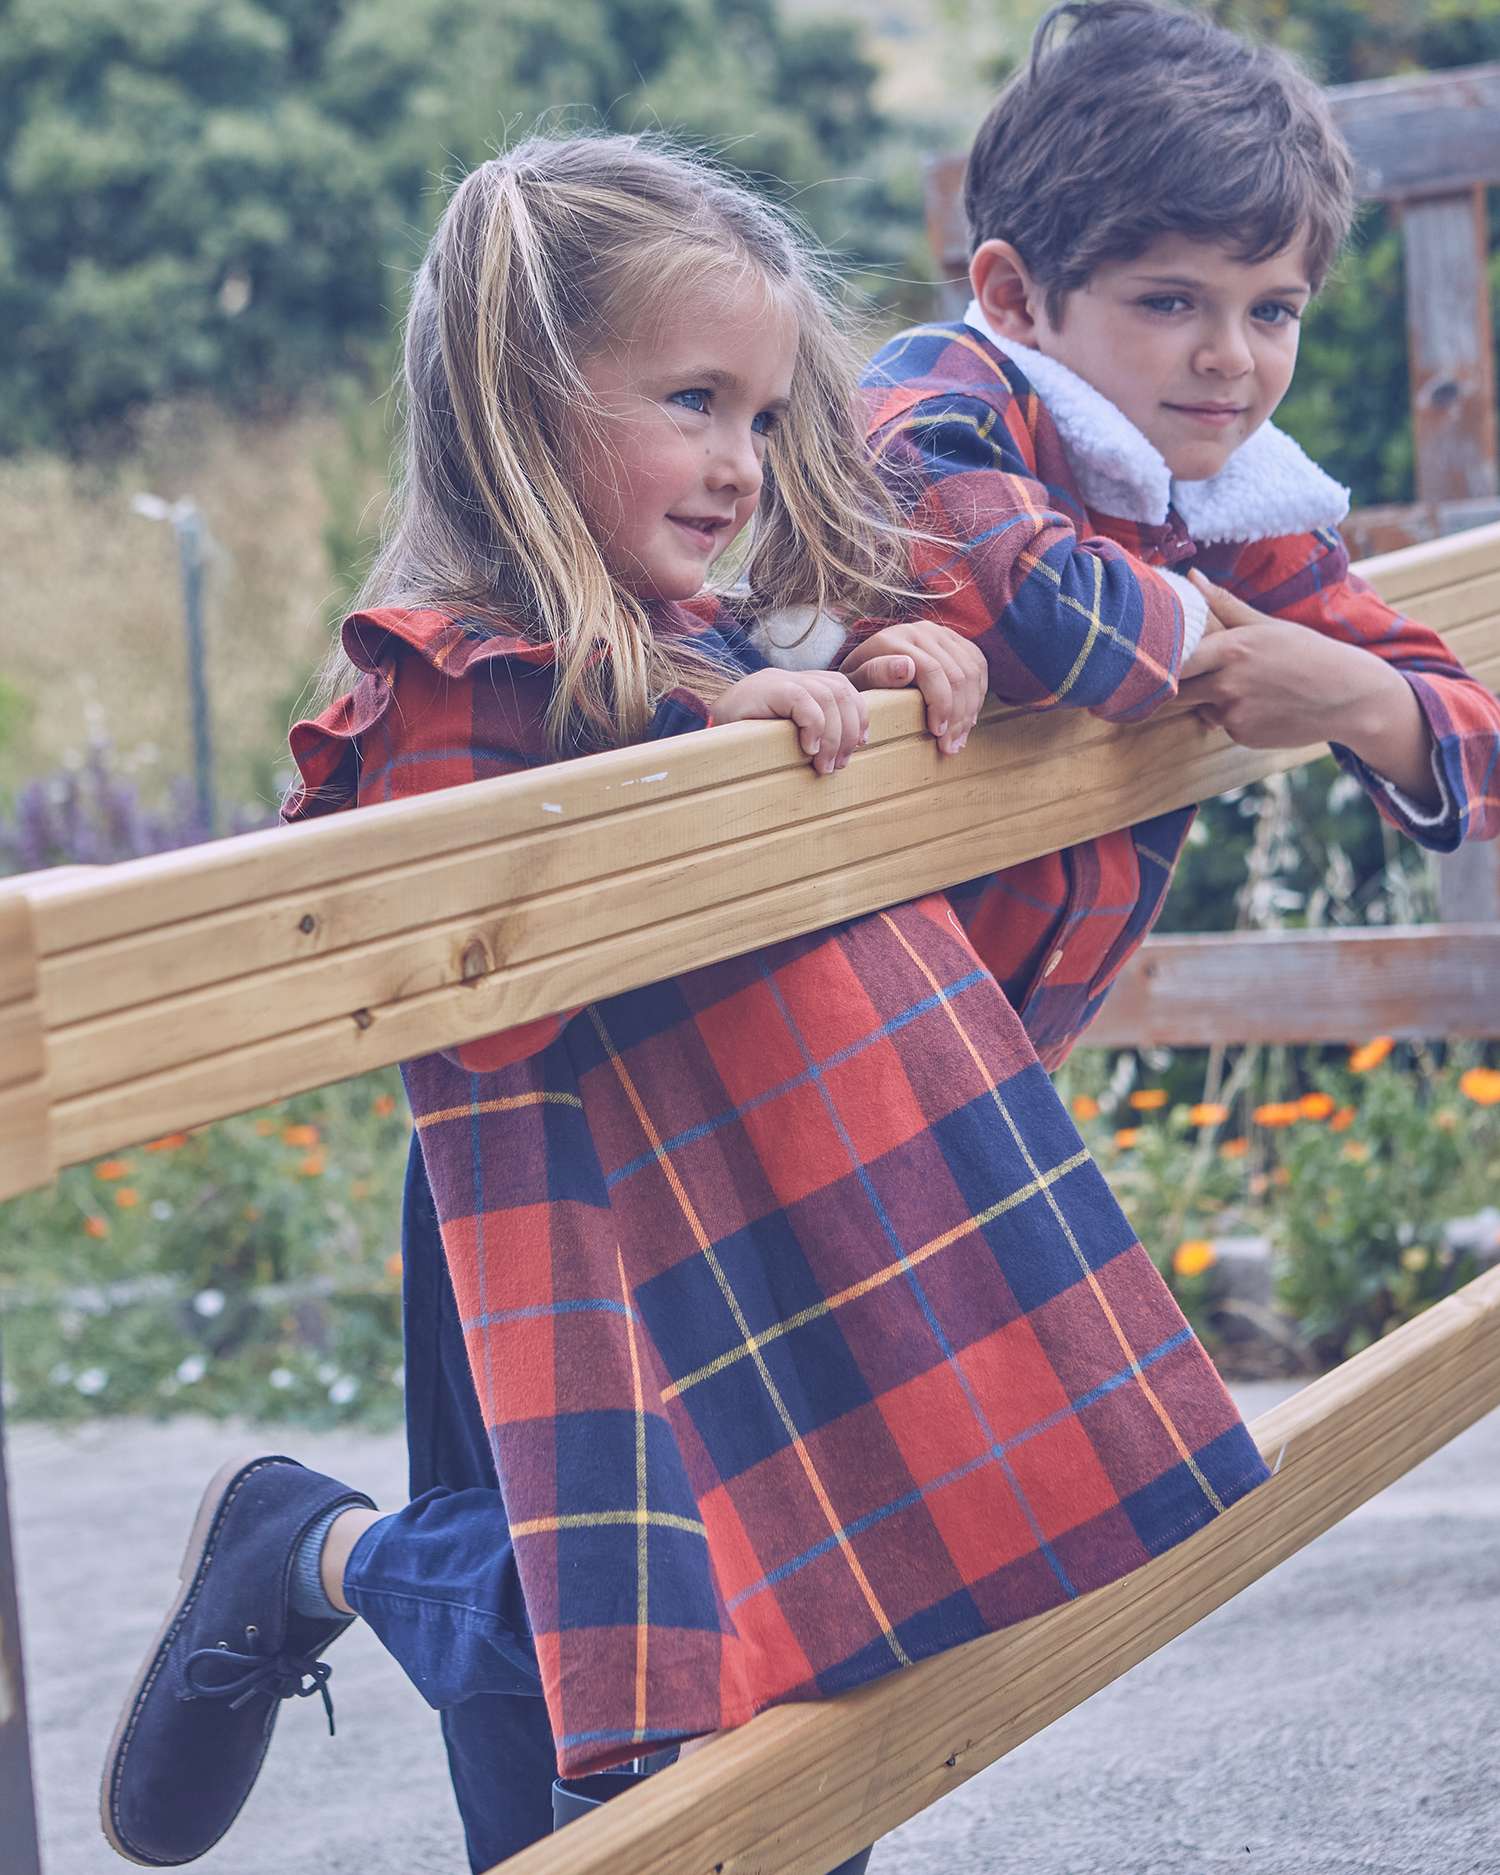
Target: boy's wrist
(1385, 727)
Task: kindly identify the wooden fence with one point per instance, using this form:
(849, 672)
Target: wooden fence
(142, 998)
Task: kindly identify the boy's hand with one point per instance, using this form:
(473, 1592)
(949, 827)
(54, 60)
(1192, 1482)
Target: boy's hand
(1270, 683)
(832, 718)
(949, 670)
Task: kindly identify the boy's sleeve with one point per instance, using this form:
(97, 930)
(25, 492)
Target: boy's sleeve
(1064, 620)
(1307, 578)
(421, 728)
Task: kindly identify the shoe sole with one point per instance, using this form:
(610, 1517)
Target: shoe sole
(215, 1501)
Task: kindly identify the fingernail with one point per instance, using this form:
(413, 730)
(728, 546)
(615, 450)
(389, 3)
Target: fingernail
(961, 741)
(815, 748)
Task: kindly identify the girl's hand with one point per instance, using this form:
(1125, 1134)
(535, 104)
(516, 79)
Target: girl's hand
(949, 670)
(832, 718)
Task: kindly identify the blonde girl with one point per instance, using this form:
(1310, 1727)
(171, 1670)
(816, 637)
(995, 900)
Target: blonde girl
(799, 1335)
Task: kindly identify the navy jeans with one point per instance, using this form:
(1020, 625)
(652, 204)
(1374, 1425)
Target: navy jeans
(437, 1580)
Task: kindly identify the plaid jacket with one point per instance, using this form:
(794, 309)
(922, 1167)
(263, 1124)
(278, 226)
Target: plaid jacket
(1070, 610)
(810, 1339)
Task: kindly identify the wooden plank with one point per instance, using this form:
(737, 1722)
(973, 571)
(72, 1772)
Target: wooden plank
(733, 842)
(1450, 348)
(1431, 133)
(18, 1831)
(802, 1786)
(1469, 884)
(26, 1139)
(947, 231)
(1404, 578)
(1305, 986)
(1386, 528)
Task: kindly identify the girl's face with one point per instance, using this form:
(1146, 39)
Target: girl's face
(689, 397)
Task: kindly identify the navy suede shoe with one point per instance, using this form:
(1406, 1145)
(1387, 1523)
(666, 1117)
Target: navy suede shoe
(198, 1719)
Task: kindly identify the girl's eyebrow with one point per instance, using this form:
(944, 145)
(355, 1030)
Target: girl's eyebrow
(718, 379)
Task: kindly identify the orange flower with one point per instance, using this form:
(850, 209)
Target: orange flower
(1277, 1113)
(95, 1227)
(111, 1168)
(384, 1104)
(1316, 1106)
(393, 1266)
(1342, 1120)
(1356, 1150)
(313, 1166)
(1234, 1148)
(1481, 1085)
(1281, 1177)
(1445, 1120)
(1149, 1099)
(1194, 1257)
(265, 1128)
(1208, 1113)
(1127, 1137)
(1370, 1054)
(1085, 1107)
(127, 1198)
(299, 1135)
(169, 1142)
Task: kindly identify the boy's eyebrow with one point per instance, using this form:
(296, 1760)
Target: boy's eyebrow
(1187, 279)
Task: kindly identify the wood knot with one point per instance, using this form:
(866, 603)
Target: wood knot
(363, 1019)
(475, 961)
(307, 924)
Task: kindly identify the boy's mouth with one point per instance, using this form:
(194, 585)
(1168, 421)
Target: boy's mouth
(1216, 416)
(706, 531)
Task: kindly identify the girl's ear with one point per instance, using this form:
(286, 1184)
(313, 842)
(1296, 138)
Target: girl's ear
(1006, 291)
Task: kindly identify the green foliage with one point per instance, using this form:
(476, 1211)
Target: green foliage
(250, 1266)
(224, 197)
(1361, 1227)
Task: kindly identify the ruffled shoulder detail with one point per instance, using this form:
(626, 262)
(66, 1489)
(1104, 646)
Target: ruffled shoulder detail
(326, 747)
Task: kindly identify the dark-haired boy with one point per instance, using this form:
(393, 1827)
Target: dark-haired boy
(1153, 202)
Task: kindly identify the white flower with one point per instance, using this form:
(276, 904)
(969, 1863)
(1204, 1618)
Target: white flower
(398, 1378)
(343, 1390)
(282, 1377)
(61, 1374)
(327, 1372)
(92, 1380)
(209, 1302)
(161, 1210)
(193, 1368)
(70, 1324)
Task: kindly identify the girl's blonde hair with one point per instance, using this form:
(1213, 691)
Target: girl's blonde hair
(541, 257)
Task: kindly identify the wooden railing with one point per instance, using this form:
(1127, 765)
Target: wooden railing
(142, 998)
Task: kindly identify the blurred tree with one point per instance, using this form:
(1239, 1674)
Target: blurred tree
(223, 195)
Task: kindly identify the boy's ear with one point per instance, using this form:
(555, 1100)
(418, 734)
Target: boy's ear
(1006, 291)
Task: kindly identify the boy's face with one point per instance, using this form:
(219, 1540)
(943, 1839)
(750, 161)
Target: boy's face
(1196, 346)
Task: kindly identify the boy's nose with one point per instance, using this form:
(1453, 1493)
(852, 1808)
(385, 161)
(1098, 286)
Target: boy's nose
(1225, 353)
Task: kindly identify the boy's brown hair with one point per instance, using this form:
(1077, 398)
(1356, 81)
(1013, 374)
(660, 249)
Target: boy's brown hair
(1147, 120)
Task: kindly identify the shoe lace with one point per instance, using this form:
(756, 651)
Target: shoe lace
(221, 1672)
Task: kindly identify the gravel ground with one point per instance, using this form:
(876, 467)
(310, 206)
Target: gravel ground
(1342, 1717)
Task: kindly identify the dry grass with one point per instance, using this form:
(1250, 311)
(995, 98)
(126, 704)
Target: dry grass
(91, 625)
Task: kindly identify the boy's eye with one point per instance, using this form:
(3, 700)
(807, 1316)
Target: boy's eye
(764, 422)
(1164, 302)
(698, 400)
(1275, 313)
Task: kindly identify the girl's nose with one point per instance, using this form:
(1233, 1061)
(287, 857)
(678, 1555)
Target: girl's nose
(734, 464)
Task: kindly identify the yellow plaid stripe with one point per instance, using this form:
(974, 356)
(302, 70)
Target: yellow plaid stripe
(605, 1520)
(892, 1270)
(705, 1245)
(642, 1524)
(507, 1104)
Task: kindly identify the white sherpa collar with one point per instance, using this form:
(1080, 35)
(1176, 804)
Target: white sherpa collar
(1267, 488)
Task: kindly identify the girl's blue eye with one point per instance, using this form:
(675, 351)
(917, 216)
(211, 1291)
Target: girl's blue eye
(764, 423)
(1275, 313)
(698, 400)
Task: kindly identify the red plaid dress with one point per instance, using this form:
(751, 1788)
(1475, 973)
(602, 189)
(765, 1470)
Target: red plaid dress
(810, 1339)
(1067, 604)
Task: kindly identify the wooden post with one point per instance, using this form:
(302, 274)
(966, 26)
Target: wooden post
(1450, 348)
(20, 1852)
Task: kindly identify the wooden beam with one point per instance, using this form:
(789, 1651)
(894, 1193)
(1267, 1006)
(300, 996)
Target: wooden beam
(195, 984)
(1429, 133)
(18, 1831)
(1305, 986)
(802, 1786)
(25, 1123)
